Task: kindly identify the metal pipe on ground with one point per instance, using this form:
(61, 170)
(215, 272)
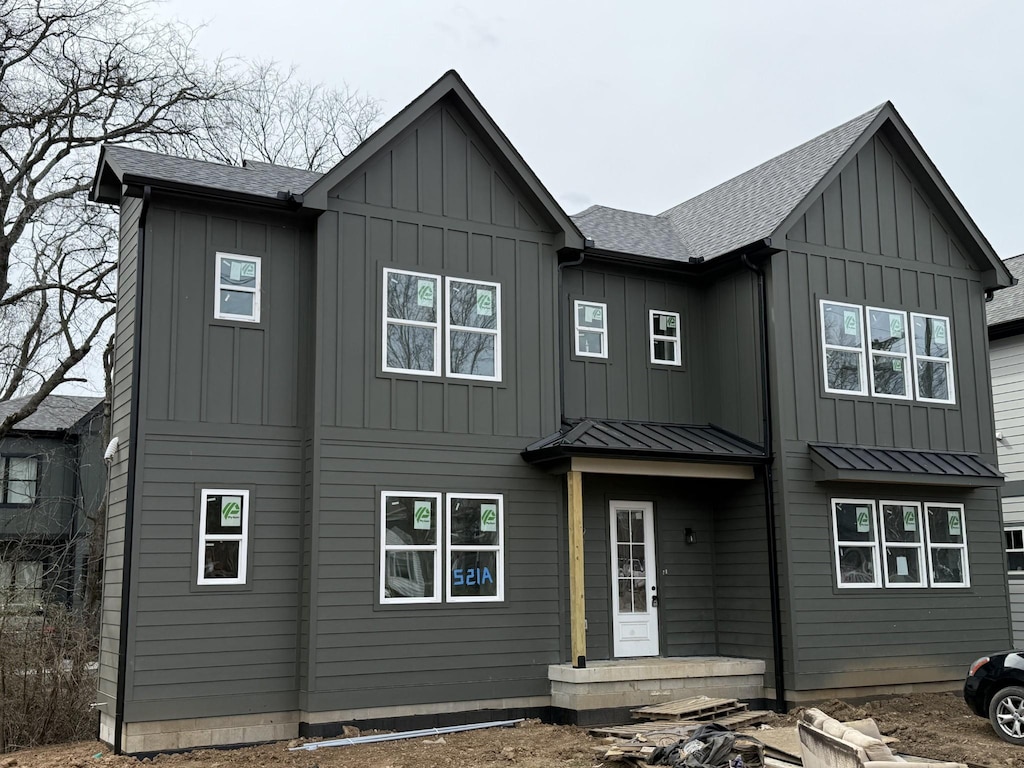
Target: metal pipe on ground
(404, 735)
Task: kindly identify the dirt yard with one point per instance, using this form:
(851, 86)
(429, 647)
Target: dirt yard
(930, 725)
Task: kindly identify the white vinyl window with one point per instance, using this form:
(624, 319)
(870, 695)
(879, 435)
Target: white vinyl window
(474, 330)
(933, 358)
(856, 543)
(591, 328)
(842, 338)
(21, 582)
(410, 547)
(890, 353)
(1015, 550)
(223, 536)
(665, 347)
(237, 294)
(903, 544)
(414, 537)
(947, 545)
(19, 479)
(475, 554)
(412, 323)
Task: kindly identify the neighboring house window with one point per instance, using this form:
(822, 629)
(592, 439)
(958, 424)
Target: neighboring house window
(474, 329)
(903, 544)
(916, 550)
(591, 324)
(21, 582)
(890, 354)
(223, 536)
(238, 288)
(1015, 550)
(19, 480)
(413, 535)
(843, 348)
(665, 337)
(856, 542)
(947, 545)
(475, 566)
(413, 332)
(933, 358)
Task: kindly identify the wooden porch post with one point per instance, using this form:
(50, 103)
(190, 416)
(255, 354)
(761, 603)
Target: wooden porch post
(577, 607)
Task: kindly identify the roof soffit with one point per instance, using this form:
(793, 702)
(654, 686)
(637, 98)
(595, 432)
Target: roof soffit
(451, 86)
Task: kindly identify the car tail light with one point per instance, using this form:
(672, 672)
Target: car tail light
(978, 665)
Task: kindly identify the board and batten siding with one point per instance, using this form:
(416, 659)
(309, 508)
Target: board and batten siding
(876, 238)
(120, 418)
(626, 384)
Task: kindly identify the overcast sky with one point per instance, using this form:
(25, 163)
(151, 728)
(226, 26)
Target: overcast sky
(641, 105)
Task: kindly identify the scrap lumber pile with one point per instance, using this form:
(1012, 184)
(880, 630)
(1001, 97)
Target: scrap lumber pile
(675, 721)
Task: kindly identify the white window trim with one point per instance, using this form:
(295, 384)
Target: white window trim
(217, 313)
(948, 361)
(385, 547)
(5, 481)
(603, 330)
(1009, 529)
(908, 377)
(966, 583)
(499, 549)
(449, 328)
(386, 321)
(825, 347)
(243, 537)
(919, 545)
(872, 546)
(655, 337)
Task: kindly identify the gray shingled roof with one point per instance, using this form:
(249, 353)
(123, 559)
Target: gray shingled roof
(628, 232)
(1008, 303)
(254, 178)
(55, 414)
(743, 210)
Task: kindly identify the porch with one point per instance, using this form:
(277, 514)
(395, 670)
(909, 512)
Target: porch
(603, 690)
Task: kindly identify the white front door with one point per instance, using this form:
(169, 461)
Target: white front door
(634, 588)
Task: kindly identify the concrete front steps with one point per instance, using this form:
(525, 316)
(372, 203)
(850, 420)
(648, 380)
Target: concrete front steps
(604, 691)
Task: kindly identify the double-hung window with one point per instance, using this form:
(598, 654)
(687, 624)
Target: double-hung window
(414, 537)
(933, 357)
(890, 354)
(21, 582)
(665, 348)
(843, 339)
(903, 544)
(237, 294)
(1015, 550)
(591, 328)
(414, 336)
(19, 479)
(856, 543)
(947, 545)
(223, 536)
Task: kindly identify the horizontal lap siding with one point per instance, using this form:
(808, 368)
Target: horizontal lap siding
(1007, 358)
(885, 636)
(195, 648)
(114, 534)
(372, 655)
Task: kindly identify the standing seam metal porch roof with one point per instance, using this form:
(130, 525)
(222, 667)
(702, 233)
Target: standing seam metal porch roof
(644, 440)
(901, 465)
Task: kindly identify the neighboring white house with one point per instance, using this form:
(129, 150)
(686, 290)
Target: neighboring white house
(1006, 350)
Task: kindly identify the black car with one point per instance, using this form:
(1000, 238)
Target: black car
(995, 689)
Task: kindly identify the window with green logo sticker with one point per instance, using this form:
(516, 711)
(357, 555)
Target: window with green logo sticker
(890, 353)
(237, 294)
(410, 546)
(843, 348)
(591, 328)
(902, 544)
(223, 536)
(473, 344)
(933, 358)
(855, 543)
(664, 336)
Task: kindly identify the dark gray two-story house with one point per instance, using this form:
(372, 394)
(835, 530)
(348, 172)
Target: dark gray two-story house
(404, 443)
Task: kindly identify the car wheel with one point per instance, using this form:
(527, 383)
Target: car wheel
(1006, 712)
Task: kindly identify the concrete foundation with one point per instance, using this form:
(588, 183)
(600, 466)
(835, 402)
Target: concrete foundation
(190, 733)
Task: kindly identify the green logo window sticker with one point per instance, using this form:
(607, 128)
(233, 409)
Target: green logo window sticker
(425, 293)
(488, 517)
(849, 322)
(422, 515)
(863, 520)
(896, 326)
(939, 331)
(909, 519)
(484, 302)
(953, 522)
(231, 511)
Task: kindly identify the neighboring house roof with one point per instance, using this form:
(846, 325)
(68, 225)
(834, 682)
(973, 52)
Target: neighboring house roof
(1007, 305)
(256, 179)
(57, 413)
(853, 463)
(644, 440)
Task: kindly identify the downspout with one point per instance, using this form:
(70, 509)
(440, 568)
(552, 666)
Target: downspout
(133, 460)
(769, 487)
(561, 335)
